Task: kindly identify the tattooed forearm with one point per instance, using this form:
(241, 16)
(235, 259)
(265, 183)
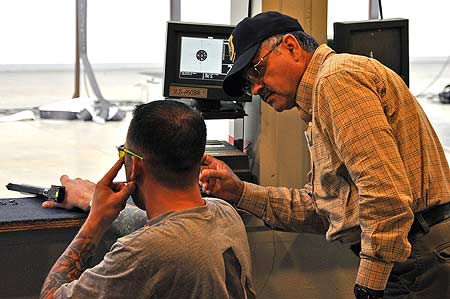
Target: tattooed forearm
(70, 264)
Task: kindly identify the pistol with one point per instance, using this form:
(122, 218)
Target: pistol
(55, 193)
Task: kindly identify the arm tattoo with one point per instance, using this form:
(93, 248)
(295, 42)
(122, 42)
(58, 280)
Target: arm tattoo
(70, 264)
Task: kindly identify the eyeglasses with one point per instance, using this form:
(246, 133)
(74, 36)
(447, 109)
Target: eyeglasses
(123, 150)
(254, 74)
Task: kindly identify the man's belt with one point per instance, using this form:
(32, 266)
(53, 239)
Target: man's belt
(426, 219)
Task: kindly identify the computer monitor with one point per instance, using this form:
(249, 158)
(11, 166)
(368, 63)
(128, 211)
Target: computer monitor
(385, 40)
(197, 61)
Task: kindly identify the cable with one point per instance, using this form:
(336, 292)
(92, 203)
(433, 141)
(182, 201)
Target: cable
(422, 93)
(272, 267)
(252, 152)
(381, 9)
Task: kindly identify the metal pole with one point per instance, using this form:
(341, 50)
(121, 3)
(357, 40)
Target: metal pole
(373, 9)
(175, 10)
(76, 93)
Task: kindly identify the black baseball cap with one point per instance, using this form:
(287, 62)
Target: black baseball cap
(246, 39)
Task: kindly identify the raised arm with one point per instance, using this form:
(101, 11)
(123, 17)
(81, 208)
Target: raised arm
(109, 199)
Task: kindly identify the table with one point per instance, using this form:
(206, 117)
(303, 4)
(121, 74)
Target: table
(31, 240)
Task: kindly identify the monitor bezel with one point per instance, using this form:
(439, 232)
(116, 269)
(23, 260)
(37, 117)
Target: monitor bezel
(343, 32)
(175, 30)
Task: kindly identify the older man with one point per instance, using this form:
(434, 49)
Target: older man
(379, 181)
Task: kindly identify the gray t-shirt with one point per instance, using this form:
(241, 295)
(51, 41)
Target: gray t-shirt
(196, 253)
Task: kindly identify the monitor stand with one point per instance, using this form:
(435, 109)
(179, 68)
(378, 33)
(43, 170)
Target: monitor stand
(207, 105)
(218, 109)
(214, 109)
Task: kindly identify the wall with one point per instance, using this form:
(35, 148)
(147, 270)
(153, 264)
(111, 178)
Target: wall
(283, 155)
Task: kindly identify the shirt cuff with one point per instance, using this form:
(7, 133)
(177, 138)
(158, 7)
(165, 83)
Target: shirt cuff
(373, 274)
(253, 199)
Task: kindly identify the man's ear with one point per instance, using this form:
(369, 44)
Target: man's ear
(136, 168)
(290, 42)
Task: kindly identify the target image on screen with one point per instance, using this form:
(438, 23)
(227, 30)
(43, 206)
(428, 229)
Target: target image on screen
(203, 58)
(200, 55)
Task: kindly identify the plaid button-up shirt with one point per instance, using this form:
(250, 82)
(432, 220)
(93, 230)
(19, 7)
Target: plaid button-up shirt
(376, 160)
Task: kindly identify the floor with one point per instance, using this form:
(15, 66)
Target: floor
(38, 152)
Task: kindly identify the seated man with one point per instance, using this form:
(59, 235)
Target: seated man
(191, 247)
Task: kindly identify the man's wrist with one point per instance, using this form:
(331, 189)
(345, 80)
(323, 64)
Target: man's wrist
(362, 292)
(96, 225)
(239, 193)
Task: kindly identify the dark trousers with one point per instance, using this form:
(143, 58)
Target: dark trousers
(426, 273)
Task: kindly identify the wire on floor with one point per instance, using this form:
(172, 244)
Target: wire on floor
(428, 95)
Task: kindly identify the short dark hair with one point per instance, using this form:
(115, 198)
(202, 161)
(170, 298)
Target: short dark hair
(171, 136)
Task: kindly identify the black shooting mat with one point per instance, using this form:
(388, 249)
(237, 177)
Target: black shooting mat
(30, 209)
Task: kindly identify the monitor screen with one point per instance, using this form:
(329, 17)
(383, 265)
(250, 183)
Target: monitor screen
(385, 40)
(197, 61)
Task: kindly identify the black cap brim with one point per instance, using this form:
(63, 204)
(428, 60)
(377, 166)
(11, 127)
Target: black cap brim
(233, 82)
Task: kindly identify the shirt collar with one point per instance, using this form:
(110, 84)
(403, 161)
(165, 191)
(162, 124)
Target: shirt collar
(304, 96)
